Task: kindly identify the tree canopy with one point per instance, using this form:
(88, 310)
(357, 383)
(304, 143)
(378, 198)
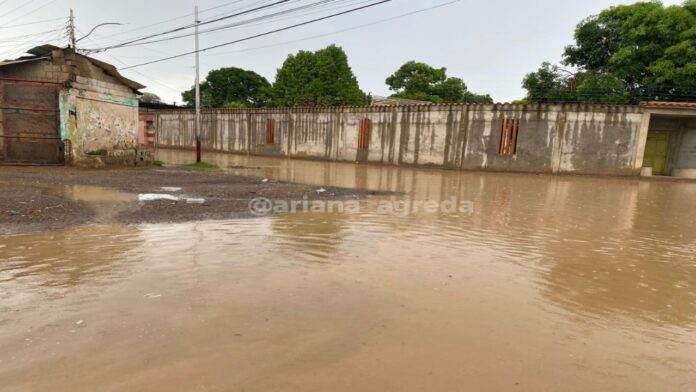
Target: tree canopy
(627, 53)
(317, 78)
(420, 81)
(231, 87)
(150, 98)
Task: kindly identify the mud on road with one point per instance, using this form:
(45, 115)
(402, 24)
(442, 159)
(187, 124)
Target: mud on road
(50, 198)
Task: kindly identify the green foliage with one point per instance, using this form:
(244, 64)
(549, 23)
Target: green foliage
(611, 89)
(628, 53)
(422, 82)
(231, 86)
(521, 102)
(150, 98)
(550, 83)
(317, 78)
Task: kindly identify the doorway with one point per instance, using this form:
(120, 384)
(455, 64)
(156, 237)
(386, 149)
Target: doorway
(657, 151)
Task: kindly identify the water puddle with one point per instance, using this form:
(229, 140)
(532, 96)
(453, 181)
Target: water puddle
(582, 282)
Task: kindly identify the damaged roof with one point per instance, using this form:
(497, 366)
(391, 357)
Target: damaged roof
(44, 52)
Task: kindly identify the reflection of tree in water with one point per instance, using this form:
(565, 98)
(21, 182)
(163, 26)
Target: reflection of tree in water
(67, 258)
(636, 260)
(314, 236)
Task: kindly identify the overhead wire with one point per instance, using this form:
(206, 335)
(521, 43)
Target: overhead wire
(31, 23)
(266, 18)
(189, 26)
(32, 11)
(135, 71)
(338, 31)
(265, 33)
(24, 4)
(150, 25)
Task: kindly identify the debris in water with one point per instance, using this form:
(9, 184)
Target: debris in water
(163, 196)
(155, 196)
(264, 180)
(321, 190)
(170, 189)
(152, 295)
(80, 322)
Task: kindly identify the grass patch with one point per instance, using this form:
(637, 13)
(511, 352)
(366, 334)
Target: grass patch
(203, 166)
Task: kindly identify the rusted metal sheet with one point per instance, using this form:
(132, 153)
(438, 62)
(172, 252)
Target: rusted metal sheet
(270, 131)
(364, 134)
(508, 137)
(30, 122)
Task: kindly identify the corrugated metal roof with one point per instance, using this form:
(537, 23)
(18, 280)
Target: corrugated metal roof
(21, 60)
(667, 104)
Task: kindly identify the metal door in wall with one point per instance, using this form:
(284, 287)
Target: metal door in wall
(656, 151)
(30, 121)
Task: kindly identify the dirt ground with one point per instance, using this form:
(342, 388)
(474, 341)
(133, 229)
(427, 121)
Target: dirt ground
(38, 198)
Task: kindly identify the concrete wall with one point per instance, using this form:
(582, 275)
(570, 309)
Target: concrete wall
(551, 139)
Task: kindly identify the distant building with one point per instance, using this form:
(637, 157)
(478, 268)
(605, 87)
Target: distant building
(58, 106)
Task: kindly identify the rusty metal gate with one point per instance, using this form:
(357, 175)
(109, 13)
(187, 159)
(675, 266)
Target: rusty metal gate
(30, 122)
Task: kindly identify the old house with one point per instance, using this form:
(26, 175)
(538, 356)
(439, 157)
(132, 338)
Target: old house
(58, 106)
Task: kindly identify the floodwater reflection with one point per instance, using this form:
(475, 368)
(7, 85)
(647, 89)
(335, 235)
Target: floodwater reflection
(552, 283)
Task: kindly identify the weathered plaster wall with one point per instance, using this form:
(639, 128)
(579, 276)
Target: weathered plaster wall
(552, 138)
(104, 124)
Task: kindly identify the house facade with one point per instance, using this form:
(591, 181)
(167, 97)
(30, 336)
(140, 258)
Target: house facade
(61, 107)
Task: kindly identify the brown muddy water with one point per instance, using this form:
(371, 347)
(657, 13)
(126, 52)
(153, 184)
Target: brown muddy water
(551, 284)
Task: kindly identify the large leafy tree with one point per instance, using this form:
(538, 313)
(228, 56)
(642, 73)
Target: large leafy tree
(231, 87)
(422, 82)
(150, 98)
(317, 78)
(628, 53)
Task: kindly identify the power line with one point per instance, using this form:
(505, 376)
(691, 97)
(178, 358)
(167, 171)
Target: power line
(32, 11)
(242, 23)
(189, 26)
(339, 31)
(179, 17)
(16, 37)
(263, 34)
(137, 72)
(17, 8)
(31, 23)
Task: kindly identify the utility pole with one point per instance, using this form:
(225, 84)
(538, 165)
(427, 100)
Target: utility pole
(198, 94)
(73, 41)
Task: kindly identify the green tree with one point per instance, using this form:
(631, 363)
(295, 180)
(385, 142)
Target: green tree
(602, 88)
(628, 53)
(150, 98)
(419, 81)
(317, 78)
(231, 87)
(550, 83)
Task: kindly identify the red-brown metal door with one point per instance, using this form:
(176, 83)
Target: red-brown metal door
(30, 122)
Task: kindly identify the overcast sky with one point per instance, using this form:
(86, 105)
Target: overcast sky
(491, 45)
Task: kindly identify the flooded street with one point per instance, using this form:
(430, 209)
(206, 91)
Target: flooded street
(551, 284)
